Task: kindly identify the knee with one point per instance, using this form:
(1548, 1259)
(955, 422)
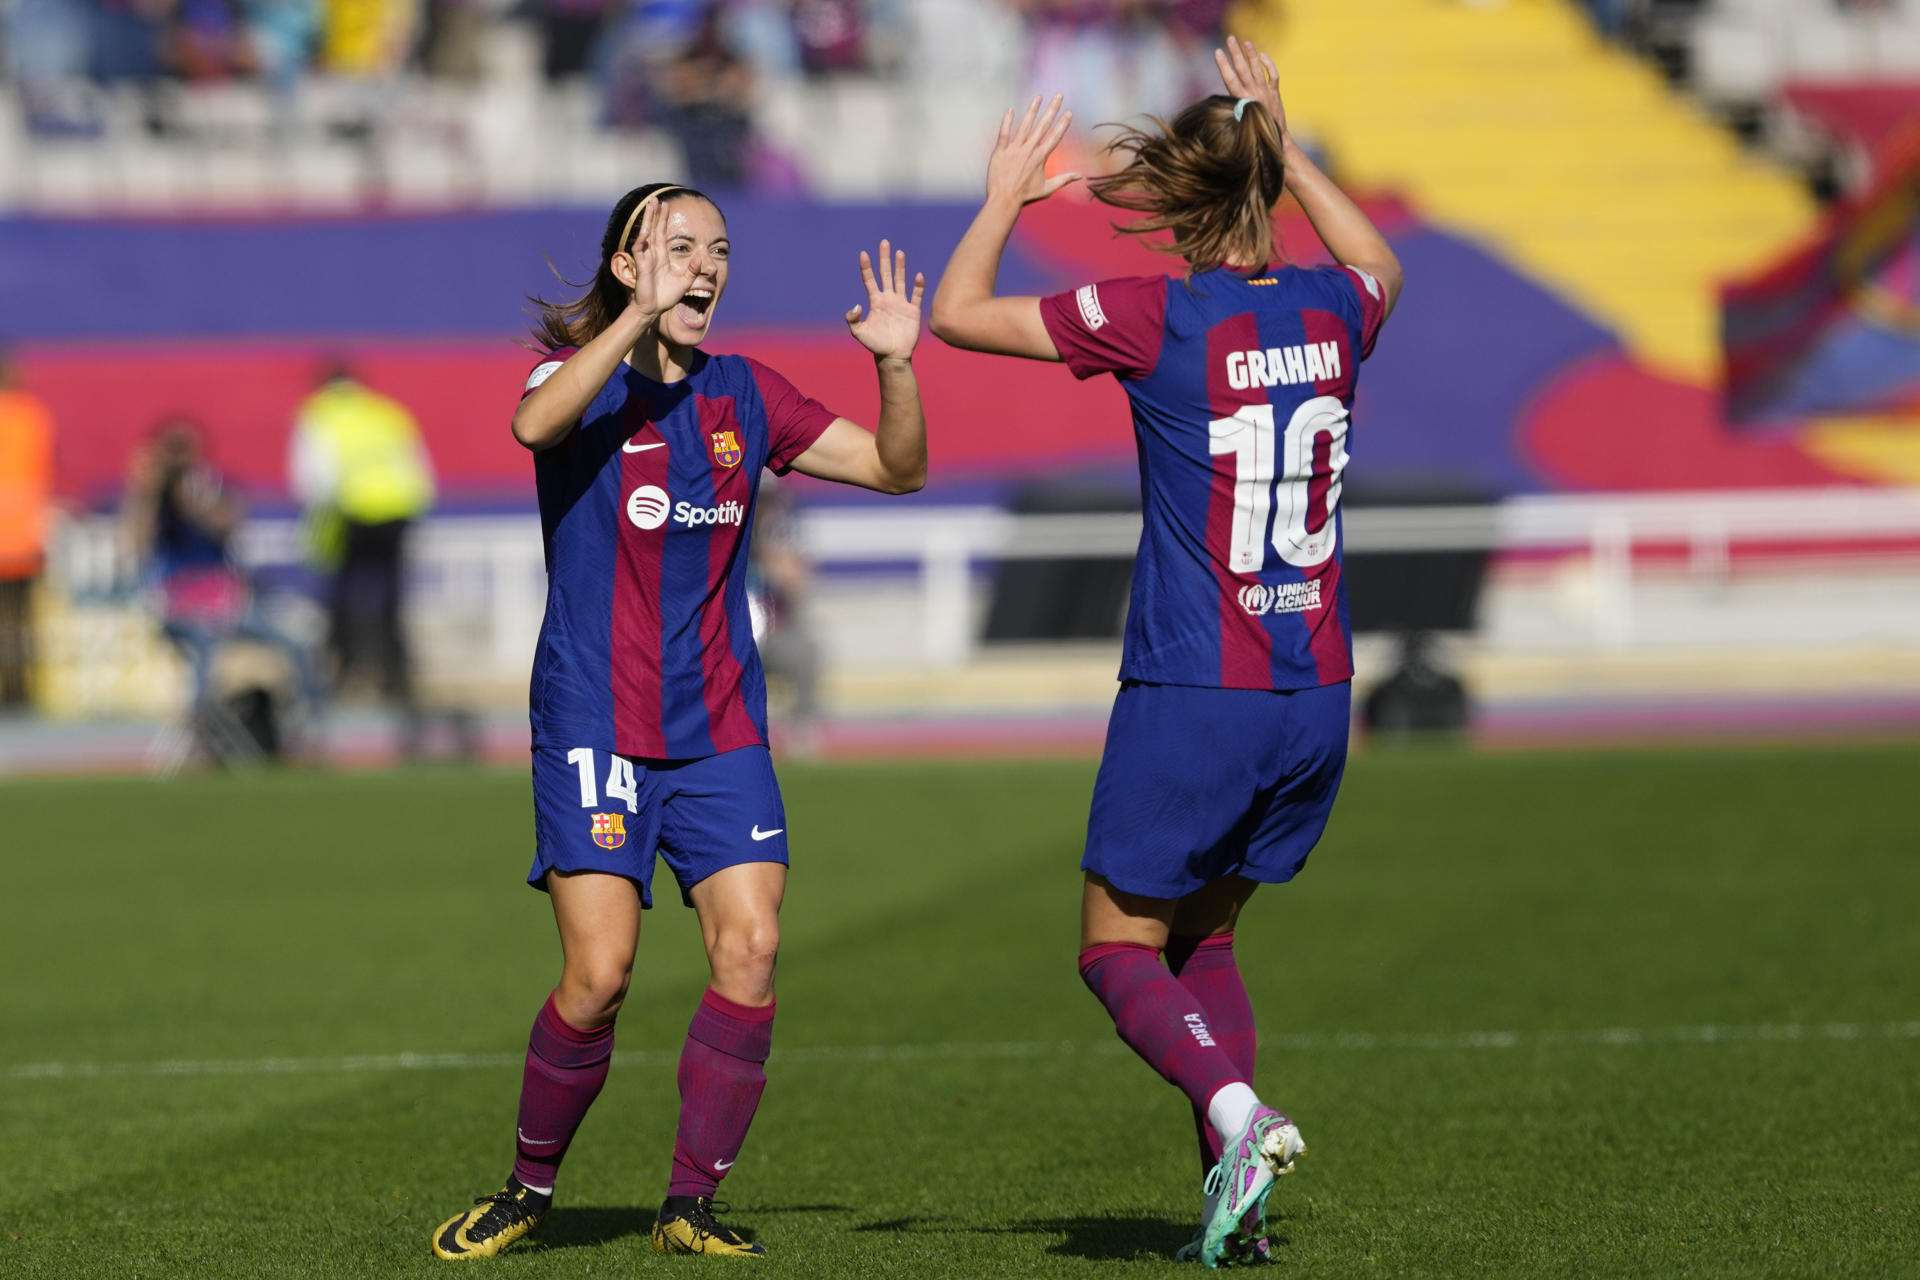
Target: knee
(591, 992)
(742, 957)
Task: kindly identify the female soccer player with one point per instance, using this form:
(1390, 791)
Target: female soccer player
(648, 703)
(1229, 733)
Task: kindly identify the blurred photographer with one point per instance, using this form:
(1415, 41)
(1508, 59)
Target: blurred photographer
(178, 521)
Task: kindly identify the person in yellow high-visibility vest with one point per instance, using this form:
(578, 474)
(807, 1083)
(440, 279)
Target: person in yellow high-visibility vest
(360, 469)
(26, 482)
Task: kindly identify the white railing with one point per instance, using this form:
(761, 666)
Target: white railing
(945, 543)
(480, 578)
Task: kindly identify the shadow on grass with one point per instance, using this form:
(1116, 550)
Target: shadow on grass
(583, 1226)
(1104, 1238)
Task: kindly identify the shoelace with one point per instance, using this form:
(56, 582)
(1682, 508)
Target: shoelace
(704, 1224)
(506, 1209)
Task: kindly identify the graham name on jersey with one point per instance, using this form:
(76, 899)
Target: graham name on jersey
(1309, 362)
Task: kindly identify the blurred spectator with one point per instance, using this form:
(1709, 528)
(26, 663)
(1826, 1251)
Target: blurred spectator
(283, 34)
(359, 467)
(831, 34)
(128, 39)
(178, 521)
(26, 484)
(780, 585)
(570, 32)
(639, 54)
(46, 40)
(453, 40)
(1116, 58)
(761, 31)
(209, 41)
(706, 99)
(1201, 21)
(368, 38)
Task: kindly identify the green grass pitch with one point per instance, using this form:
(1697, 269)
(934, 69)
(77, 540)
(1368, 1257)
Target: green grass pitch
(1620, 1014)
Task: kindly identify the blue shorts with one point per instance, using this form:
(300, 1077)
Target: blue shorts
(1198, 784)
(596, 811)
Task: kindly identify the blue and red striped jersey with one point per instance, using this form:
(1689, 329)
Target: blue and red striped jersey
(1241, 383)
(646, 511)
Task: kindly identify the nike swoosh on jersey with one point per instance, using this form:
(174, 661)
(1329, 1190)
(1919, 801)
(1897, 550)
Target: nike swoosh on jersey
(631, 447)
(758, 834)
(721, 1166)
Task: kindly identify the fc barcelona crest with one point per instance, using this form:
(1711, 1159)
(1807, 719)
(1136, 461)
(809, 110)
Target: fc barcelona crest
(726, 449)
(609, 830)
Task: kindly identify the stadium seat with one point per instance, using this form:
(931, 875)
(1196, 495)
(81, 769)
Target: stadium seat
(1734, 61)
(1825, 46)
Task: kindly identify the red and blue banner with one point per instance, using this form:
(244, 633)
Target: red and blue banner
(1834, 328)
(1485, 381)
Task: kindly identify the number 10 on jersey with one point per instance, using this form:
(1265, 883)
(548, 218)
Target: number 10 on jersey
(1304, 532)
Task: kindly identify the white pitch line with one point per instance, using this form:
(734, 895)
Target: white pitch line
(1308, 1041)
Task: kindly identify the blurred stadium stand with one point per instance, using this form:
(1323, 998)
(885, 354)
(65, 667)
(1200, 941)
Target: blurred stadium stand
(1662, 312)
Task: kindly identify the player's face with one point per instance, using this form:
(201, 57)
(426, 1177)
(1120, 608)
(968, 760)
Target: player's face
(697, 245)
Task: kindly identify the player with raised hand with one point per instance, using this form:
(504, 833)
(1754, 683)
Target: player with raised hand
(1229, 733)
(648, 702)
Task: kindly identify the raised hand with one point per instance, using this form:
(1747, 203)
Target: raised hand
(1245, 72)
(657, 284)
(1017, 169)
(891, 325)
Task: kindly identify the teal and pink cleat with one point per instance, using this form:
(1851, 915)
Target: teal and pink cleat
(1266, 1149)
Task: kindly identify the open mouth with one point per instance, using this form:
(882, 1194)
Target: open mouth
(698, 301)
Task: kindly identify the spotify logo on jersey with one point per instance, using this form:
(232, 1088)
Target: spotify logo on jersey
(647, 506)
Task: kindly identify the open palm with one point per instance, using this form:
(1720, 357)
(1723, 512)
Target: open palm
(1018, 165)
(1246, 72)
(890, 327)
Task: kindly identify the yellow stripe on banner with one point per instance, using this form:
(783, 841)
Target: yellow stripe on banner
(1516, 124)
(1883, 450)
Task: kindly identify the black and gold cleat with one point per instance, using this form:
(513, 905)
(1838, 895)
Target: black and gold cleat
(493, 1223)
(686, 1225)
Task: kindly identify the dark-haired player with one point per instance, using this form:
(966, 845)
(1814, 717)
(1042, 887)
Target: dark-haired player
(648, 702)
(1229, 733)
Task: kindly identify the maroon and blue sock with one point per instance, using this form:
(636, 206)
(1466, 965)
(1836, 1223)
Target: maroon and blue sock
(565, 1069)
(722, 1075)
(1206, 967)
(1159, 1019)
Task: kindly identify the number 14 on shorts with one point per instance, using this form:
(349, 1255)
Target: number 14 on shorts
(620, 780)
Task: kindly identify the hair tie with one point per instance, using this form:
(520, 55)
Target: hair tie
(1240, 108)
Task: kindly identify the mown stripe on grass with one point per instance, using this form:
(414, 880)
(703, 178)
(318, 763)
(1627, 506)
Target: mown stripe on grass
(1310, 1041)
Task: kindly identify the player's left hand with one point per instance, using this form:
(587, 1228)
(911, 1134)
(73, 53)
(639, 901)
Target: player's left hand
(1245, 72)
(891, 325)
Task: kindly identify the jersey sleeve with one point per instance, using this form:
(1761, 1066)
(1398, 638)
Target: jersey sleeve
(1115, 326)
(548, 365)
(1372, 298)
(794, 421)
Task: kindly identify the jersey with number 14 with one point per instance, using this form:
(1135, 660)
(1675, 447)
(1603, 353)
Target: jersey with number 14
(646, 509)
(1241, 383)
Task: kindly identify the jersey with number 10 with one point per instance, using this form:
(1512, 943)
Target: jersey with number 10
(1241, 384)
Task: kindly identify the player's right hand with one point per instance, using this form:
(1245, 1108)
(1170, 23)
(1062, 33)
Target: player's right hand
(657, 283)
(1245, 72)
(1017, 169)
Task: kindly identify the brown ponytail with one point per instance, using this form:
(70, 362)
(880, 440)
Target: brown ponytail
(1210, 179)
(576, 323)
